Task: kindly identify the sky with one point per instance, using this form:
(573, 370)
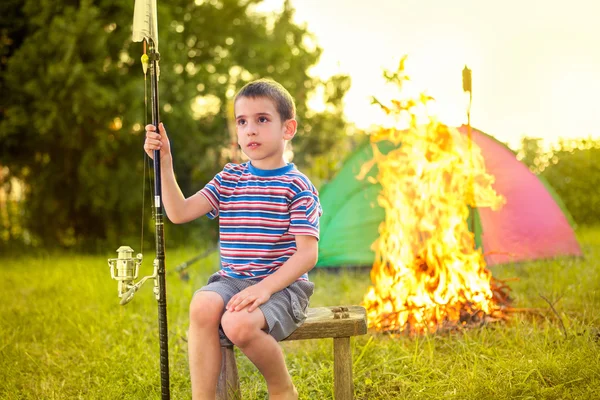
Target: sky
(535, 64)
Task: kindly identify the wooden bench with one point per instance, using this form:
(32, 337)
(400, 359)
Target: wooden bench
(339, 323)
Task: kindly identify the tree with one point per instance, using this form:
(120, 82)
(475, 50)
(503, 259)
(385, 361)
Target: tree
(574, 173)
(71, 114)
(531, 153)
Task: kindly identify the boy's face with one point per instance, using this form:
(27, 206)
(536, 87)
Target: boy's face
(261, 132)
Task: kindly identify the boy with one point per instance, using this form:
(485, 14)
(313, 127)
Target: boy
(268, 227)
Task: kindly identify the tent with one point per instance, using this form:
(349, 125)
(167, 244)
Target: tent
(533, 224)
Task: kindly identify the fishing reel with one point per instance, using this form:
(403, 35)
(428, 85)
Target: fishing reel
(125, 268)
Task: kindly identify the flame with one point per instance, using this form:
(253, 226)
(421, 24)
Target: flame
(427, 272)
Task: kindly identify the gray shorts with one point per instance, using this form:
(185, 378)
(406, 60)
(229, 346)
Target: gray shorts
(285, 311)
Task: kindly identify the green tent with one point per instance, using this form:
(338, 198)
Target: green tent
(351, 215)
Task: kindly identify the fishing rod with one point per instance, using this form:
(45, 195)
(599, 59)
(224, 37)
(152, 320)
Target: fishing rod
(125, 267)
(182, 268)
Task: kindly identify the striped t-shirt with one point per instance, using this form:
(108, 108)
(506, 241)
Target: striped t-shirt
(260, 213)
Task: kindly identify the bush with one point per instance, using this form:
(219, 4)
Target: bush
(574, 172)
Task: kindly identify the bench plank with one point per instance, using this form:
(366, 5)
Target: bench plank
(321, 322)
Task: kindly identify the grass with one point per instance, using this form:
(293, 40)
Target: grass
(63, 335)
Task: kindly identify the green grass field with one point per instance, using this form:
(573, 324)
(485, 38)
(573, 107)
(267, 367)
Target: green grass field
(63, 335)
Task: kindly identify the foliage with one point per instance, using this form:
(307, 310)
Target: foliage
(571, 168)
(574, 173)
(320, 154)
(71, 114)
(72, 318)
(532, 154)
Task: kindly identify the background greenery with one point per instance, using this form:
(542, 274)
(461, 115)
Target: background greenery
(63, 335)
(72, 109)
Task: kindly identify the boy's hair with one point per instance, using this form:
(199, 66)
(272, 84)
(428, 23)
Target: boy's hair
(284, 103)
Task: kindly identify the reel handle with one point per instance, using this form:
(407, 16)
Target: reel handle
(128, 296)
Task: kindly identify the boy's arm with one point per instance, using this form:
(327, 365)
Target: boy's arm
(178, 208)
(297, 265)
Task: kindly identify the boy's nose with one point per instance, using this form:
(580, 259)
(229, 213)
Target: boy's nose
(251, 129)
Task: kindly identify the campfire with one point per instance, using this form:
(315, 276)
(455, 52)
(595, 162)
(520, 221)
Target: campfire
(427, 275)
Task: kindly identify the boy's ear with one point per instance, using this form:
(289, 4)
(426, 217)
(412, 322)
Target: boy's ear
(290, 127)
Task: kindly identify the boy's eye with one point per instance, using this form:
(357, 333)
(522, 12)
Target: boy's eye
(263, 119)
(241, 121)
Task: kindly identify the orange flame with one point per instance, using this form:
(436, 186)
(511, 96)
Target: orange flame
(427, 273)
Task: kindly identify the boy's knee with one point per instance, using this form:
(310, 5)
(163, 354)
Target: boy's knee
(240, 327)
(206, 309)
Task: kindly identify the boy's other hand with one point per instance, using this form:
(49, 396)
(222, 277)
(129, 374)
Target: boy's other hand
(251, 297)
(157, 141)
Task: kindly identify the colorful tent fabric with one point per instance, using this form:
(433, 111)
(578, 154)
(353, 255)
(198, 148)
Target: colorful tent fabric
(533, 224)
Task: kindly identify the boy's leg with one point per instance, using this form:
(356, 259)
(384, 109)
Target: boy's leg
(245, 330)
(204, 349)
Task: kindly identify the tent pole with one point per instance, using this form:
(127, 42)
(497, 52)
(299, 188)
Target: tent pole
(467, 87)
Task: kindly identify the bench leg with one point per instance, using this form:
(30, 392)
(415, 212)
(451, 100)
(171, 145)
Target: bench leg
(228, 386)
(343, 386)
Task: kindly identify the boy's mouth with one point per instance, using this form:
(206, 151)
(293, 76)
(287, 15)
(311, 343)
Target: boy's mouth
(253, 145)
